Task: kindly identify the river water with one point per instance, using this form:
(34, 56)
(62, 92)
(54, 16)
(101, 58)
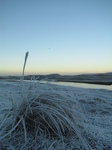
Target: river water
(81, 85)
(74, 84)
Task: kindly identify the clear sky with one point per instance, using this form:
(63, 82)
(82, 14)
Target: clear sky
(62, 36)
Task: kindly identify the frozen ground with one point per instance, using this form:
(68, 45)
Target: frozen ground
(96, 105)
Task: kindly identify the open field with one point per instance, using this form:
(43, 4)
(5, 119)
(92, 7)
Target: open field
(90, 126)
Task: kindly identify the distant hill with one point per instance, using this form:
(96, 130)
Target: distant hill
(100, 78)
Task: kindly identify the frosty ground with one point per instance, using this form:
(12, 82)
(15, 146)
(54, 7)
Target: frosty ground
(96, 105)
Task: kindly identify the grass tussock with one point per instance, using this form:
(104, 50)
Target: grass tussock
(47, 115)
(43, 119)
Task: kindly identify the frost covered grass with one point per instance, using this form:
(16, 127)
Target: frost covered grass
(43, 118)
(47, 115)
(95, 129)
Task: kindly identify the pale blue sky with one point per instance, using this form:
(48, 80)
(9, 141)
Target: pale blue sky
(62, 36)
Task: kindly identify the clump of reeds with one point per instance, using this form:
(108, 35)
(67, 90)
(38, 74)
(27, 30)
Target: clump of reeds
(47, 115)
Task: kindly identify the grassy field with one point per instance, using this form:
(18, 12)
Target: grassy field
(46, 116)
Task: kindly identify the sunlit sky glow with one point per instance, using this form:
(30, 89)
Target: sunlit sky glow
(62, 36)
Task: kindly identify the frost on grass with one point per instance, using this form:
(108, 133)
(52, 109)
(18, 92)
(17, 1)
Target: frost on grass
(43, 117)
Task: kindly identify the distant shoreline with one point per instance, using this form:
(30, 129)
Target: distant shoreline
(100, 78)
(86, 82)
